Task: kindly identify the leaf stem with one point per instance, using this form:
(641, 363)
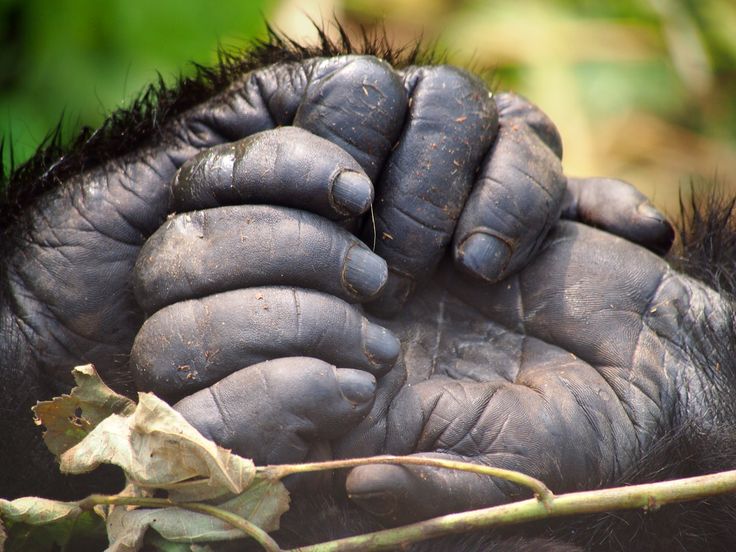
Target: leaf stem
(649, 496)
(253, 531)
(537, 487)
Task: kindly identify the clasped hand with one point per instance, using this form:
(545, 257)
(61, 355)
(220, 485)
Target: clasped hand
(544, 347)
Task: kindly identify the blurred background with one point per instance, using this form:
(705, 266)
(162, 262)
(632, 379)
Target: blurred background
(644, 90)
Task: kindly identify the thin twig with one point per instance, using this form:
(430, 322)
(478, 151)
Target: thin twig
(373, 227)
(649, 496)
(537, 487)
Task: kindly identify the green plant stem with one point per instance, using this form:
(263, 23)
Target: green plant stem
(537, 487)
(253, 531)
(649, 496)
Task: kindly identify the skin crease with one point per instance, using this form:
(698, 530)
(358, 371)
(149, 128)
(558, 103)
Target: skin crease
(590, 359)
(409, 419)
(580, 342)
(569, 371)
(69, 273)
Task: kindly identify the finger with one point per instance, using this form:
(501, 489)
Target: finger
(357, 103)
(436, 414)
(190, 345)
(513, 107)
(398, 495)
(215, 250)
(619, 208)
(516, 199)
(286, 166)
(451, 122)
(273, 412)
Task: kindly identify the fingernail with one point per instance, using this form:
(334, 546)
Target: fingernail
(364, 273)
(371, 487)
(380, 345)
(381, 504)
(357, 386)
(395, 293)
(353, 192)
(662, 240)
(484, 255)
(648, 210)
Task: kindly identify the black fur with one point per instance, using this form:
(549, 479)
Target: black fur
(128, 129)
(706, 244)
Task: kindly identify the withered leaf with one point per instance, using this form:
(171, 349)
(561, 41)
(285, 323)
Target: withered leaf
(70, 418)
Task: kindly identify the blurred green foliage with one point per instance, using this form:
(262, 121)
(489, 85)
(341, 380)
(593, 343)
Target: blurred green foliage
(640, 89)
(84, 58)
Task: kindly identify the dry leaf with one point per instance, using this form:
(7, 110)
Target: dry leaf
(157, 448)
(70, 418)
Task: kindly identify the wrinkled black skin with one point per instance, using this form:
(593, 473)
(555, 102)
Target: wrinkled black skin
(67, 295)
(685, 437)
(69, 252)
(61, 307)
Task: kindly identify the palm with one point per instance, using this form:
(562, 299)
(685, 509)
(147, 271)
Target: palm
(568, 371)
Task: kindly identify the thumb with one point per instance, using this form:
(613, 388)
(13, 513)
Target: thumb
(399, 494)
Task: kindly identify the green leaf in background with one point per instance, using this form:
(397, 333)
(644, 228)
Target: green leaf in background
(85, 58)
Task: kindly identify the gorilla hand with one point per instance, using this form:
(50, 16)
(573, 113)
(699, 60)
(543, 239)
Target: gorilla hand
(516, 197)
(207, 277)
(217, 315)
(569, 371)
(67, 260)
(232, 286)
